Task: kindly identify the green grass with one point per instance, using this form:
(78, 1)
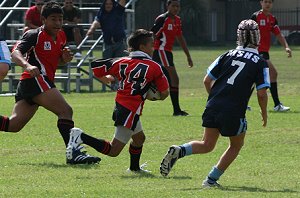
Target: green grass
(32, 162)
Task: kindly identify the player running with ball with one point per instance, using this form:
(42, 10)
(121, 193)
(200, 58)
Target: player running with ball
(135, 74)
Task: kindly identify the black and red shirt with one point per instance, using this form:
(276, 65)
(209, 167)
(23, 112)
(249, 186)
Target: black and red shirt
(166, 29)
(267, 24)
(41, 51)
(134, 73)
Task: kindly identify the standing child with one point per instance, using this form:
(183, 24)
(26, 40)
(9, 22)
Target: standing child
(268, 24)
(135, 74)
(167, 28)
(228, 81)
(44, 48)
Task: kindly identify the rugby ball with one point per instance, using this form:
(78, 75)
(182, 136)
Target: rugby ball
(153, 94)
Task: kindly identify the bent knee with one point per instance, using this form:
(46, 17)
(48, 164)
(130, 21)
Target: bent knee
(209, 147)
(114, 153)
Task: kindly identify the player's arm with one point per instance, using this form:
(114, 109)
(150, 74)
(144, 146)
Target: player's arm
(93, 27)
(19, 59)
(208, 83)
(262, 98)
(182, 43)
(284, 43)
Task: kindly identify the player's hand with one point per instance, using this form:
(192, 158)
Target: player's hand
(190, 61)
(289, 52)
(67, 55)
(33, 71)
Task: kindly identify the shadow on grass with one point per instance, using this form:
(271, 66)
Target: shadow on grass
(255, 189)
(57, 165)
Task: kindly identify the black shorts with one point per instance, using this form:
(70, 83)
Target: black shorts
(164, 58)
(124, 117)
(31, 87)
(265, 55)
(228, 124)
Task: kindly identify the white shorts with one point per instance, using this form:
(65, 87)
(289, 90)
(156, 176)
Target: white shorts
(124, 134)
(4, 53)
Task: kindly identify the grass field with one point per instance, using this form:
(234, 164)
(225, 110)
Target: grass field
(32, 162)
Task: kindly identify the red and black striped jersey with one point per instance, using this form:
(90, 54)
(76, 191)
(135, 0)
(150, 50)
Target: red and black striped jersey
(166, 29)
(134, 73)
(267, 24)
(41, 51)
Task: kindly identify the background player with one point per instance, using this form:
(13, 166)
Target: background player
(36, 87)
(135, 73)
(268, 24)
(228, 81)
(167, 28)
(4, 59)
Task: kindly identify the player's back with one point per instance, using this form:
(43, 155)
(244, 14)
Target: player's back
(235, 73)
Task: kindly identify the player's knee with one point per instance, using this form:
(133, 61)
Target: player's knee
(114, 153)
(139, 139)
(209, 146)
(67, 111)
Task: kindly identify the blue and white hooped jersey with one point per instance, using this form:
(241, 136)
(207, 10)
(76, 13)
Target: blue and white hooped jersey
(235, 73)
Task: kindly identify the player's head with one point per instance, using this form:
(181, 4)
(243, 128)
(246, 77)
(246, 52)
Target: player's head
(51, 7)
(173, 6)
(68, 4)
(108, 5)
(248, 34)
(39, 4)
(52, 17)
(266, 5)
(141, 40)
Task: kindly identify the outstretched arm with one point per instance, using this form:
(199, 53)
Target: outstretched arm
(283, 42)
(182, 43)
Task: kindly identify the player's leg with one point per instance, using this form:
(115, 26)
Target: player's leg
(236, 144)
(3, 70)
(53, 101)
(21, 114)
(174, 153)
(136, 147)
(274, 90)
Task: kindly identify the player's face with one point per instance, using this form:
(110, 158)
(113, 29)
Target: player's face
(266, 5)
(53, 23)
(39, 4)
(174, 7)
(108, 5)
(68, 4)
(148, 48)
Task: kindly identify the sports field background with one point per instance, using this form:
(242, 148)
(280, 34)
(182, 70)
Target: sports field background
(32, 162)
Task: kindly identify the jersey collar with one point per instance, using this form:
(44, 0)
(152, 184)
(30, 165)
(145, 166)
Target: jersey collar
(139, 54)
(247, 49)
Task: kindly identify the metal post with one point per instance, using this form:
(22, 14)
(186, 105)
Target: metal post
(9, 13)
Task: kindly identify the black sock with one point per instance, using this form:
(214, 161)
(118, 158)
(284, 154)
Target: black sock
(135, 155)
(274, 93)
(4, 123)
(182, 152)
(100, 145)
(64, 127)
(174, 93)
